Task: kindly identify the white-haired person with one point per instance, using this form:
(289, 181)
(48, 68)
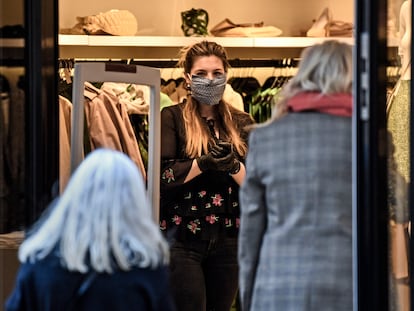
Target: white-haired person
(295, 240)
(97, 247)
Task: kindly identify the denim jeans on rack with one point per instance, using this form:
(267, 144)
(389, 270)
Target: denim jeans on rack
(204, 274)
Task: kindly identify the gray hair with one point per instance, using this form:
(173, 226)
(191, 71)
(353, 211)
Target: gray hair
(324, 68)
(102, 220)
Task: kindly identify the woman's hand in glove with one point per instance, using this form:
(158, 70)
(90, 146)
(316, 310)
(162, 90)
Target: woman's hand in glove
(224, 151)
(220, 158)
(207, 162)
(228, 163)
(221, 149)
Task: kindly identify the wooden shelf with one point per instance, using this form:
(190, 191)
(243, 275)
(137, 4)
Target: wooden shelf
(11, 43)
(166, 41)
(167, 47)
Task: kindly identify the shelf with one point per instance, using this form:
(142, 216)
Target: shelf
(168, 47)
(11, 43)
(166, 41)
(73, 40)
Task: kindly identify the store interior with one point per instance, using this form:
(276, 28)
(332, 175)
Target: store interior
(259, 66)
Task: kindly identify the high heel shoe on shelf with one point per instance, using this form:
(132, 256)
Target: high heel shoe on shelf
(320, 26)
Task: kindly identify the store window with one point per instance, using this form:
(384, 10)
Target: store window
(12, 119)
(28, 164)
(398, 126)
(12, 139)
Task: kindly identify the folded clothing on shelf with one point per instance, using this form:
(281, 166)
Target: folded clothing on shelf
(325, 26)
(227, 28)
(340, 29)
(113, 22)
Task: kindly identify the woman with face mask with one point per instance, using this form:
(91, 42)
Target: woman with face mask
(203, 146)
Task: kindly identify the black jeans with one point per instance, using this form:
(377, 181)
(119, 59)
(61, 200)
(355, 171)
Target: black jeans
(204, 274)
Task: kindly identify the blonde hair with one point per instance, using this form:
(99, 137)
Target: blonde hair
(325, 68)
(198, 136)
(102, 220)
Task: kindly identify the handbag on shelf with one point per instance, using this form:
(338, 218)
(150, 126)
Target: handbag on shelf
(194, 23)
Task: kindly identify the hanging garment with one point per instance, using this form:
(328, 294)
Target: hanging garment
(398, 120)
(233, 98)
(165, 101)
(261, 104)
(109, 125)
(65, 117)
(179, 95)
(135, 97)
(4, 130)
(4, 187)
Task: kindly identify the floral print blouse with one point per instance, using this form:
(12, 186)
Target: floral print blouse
(205, 207)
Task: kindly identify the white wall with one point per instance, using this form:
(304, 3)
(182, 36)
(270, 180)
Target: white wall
(161, 17)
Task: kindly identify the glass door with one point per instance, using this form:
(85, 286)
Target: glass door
(29, 126)
(28, 123)
(383, 154)
(398, 168)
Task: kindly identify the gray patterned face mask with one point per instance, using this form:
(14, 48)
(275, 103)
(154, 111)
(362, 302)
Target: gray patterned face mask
(207, 91)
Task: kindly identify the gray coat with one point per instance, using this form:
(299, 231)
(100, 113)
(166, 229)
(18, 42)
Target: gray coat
(295, 243)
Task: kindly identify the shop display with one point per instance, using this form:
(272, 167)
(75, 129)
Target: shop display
(113, 22)
(194, 22)
(227, 28)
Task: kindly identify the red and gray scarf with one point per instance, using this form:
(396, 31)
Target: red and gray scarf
(336, 104)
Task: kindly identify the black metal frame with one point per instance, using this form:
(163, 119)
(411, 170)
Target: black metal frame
(370, 172)
(41, 99)
(370, 175)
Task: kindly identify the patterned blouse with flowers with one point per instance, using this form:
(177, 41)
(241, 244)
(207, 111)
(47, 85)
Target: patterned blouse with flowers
(208, 205)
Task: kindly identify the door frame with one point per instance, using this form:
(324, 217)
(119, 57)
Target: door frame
(370, 223)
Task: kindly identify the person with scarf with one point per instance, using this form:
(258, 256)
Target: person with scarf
(295, 240)
(203, 147)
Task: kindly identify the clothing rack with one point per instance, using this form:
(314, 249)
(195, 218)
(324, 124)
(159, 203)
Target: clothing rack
(118, 72)
(162, 63)
(12, 62)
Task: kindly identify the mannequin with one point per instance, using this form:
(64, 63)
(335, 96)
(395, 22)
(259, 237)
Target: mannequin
(404, 49)
(393, 11)
(398, 117)
(398, 124)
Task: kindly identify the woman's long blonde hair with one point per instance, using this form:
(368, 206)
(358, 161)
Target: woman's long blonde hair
(103, 220)
(324, 68)
(198, 136)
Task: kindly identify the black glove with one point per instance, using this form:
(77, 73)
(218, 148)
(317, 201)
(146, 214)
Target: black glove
(220, 158)
(228, 163)
(234, 167)
(221, 149)
(207, 162)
